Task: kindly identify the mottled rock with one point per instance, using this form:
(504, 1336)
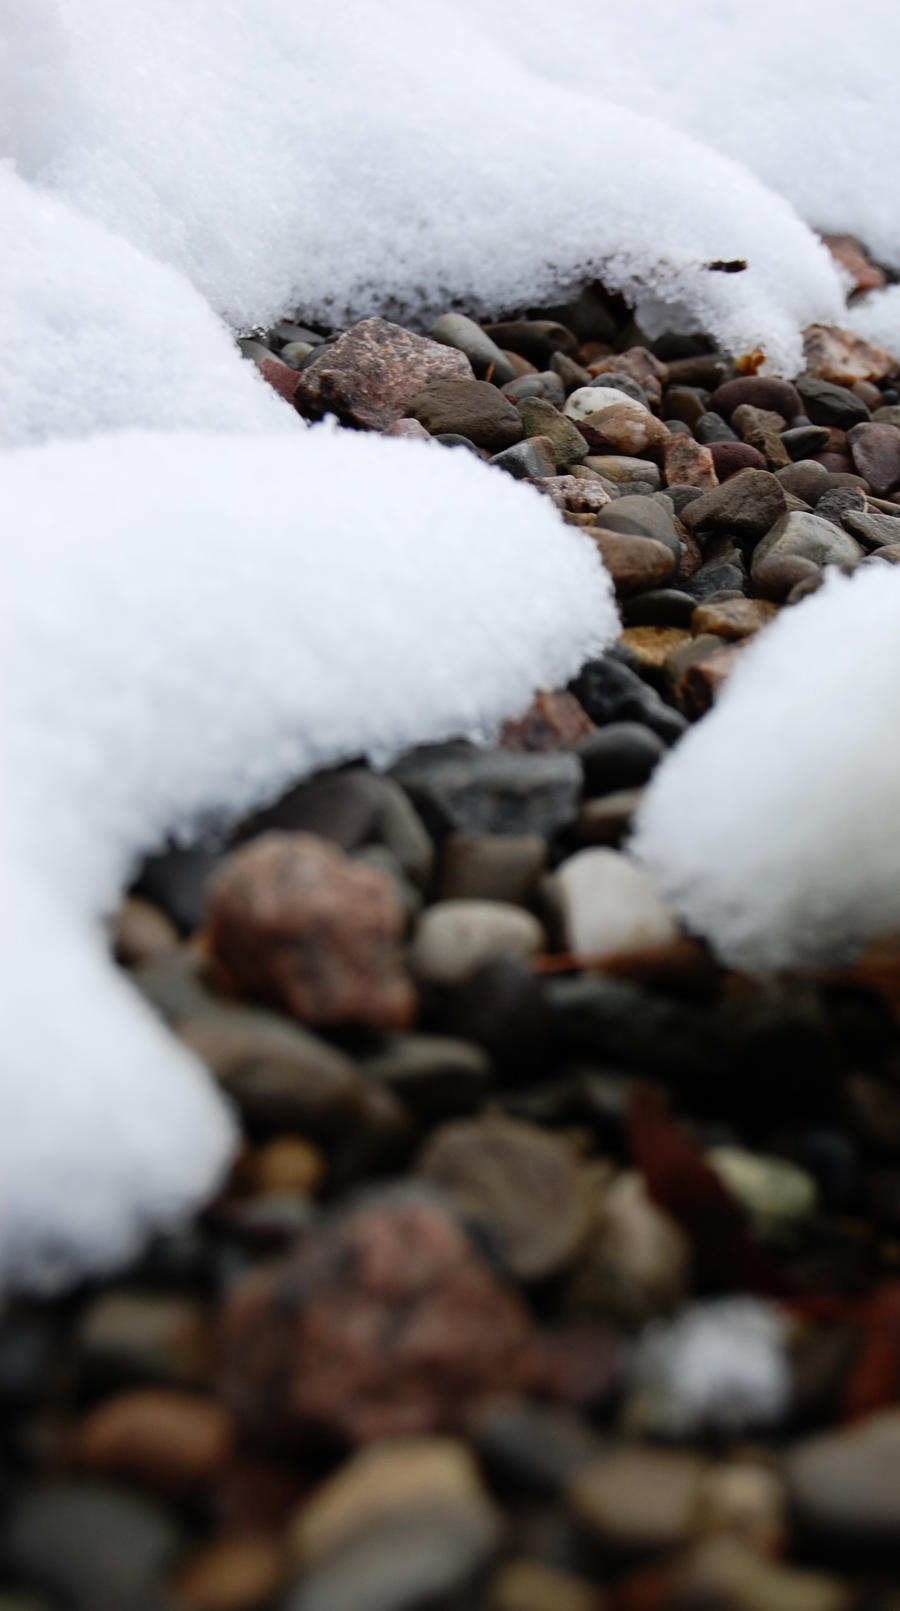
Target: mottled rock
(472, 408)
(875, 450)
(634, 563)
(760, 391)
(572, 494)
(688, 463)
(384, 1322)
(733, 618)
(171, 1440)
(370, 374)
(291, 919)
(540, 418)
(623, 427)
(745, 506)
(486, 358)
(555, 721)
(454, 937)
(842, 357)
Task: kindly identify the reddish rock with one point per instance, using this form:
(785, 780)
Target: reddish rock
(640, 364)
(634, 563)
(875, 450)
(372, 372)
(855, 261)
(843, 358)
(410, 428)
(688, 463)
(702, 677)
(291, 919)
(761, 391)
(158, 1436)
(730, 457)
(835, 463)
(385, 1322)
(555, 721)
(281, 376)
(574, 493)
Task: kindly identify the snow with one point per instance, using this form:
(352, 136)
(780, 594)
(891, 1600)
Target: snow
(771, 828)
(720, 1365)
(190, 622)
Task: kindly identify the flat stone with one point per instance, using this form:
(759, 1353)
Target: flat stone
(622, 467)
(688, 463)
(457, 788)
(844, 358)
(524, 1186)
(435, 1076)
(746, 506)
(651, 646)
(805, 479)
(554, 721)
(805, 537)
(171, 1440)
(611, 906)
(804, 441)
(872, 531)
(371, 373)
(642, 517)
(638, 1499)
(274, 897)
(573, 494)
(845, 1484)
(611, 692)
(634, 563)
(457, 330)
(760, 391)
(733, 618)
(526, 460)
(875, 450)
(827, 404)
(621, 755)
(661, 606)
(454, 937)
(473, 408)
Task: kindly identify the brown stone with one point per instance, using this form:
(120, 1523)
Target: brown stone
(284, 1164)
(636, 1262)
(653, 644)
(759, 428)
(640, 364)
(688, 463)
(844, 358)
(525, 1185)
(747, 505)
(492, 867)
(158, 1436)
(639, 1499)
(293, 920)
(875, 450)
(855, 261)
(733, 618)
(555, 721)
(527, 1585)
(634, 563)
(607, 819)
(372, 372)
(575, 494)
(233, 1573)
(142, 934)
(730, 457)
(385, 1322)
(696, 674)
(625, 427)
(761, 391)
(280, 376)
(746, 417)
(472, 408)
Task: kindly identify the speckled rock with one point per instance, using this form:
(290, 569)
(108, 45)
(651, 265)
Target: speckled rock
(372, 372)
(688, 463)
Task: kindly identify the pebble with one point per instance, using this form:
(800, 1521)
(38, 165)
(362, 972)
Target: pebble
(456, 330)
(175, 880)
(286, 1164)
(623, 468)
(573, 494)
(733, 618)
(493, 791)
(760, 391)
(608, 821)
(774, 1191)
(685, 403)
(521, 1185)
(282, 892)
(728, 1573)
(619, 756)
(174, 1441)
(619, 381)
(853, 258)
(842, 357)
(837, 502)
(636, 1263)
(471, 408)
(611, 692)
(492, 867)
(639, 1500)
(845, 1485)
(385, 1322)
(875, 451)
(830, 405)
(730, 457)
(805, 478)
(611, 905)
(532, 1585)
(404, 1560)
(435, 1076)
(651, 646)
(535, 339)
(642, 517)
(408, 428)
(634, 563)
(91, 1547)
(871, 530)
(570, 373)
(718, 577)
(126, 1337)
(805, 440)
(712, 428)
(540, 418)
(371, 373)
(623, 427)
(528, 459)
(454, 937)
(231, 1573)
(696, 676)
(640, 364)
(660, 606)
(554, 721)
(688, 463)
(805, 537)
(745, 506)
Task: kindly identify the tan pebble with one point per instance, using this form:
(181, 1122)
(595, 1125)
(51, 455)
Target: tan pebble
(285, 1164)
(142, 934)
(733, 618)
(652, 644)
(635, 563)
(525, 1585)
(230, 1574)
(639, 1498)
(157, 1435)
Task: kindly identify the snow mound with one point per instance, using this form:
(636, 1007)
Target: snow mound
(95, 335)
(390, 157)
(190, 622)
(771, 827)
(877, 317)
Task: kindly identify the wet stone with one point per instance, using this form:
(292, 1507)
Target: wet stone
(472, 408)
(371, 373)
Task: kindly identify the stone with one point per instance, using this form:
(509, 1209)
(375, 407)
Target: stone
(454, 937)
(745, 1500)
(642, 517)
(594, 398)
(760, 429)
(527, 460)
(492, 867)
(890, 554)
(720, 578)
(773, 1191)
(142, 934)
(486, 358)
(844, 1484)
(171, 1440)
(853, 258)
(460, 788)
(472, 408)
(286, 1164)
(827, 404)
(230, 1573)
(572, 494)
(871, 530)
(619, 381)
(712, 428)
(844, 358)
(684, 403)
(532, 1585)
(621, 467)
(641, 364)
(634, 563)
(540, 418)
(612, 692)
(370, 374)
(839, 501)
(875, 450)
(639, 1500)
(535, 339)
(621, 755)
(804, 441)
(126, 1337)
(453, 439)
(760, 391)
(90, 1546)
(730, 457)
(730, 1574)
(745, 507)
(688, 463)
(733, 618)
(554, 721)
(292, 920)
(570, 373)
(800, 536)
(805, 479)
(408, 428)
(608, 820)
(623, 427)
(651, 646)
(383, 1322)
(281, 377)
(435, 1076)
(293, 353)
(889, 415)
(660, 606)
(176, 880)
(612, 906)
(521, 1185)
(696, 677)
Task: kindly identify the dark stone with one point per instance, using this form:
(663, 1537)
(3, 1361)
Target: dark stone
(760, 391)
(176, 881)
(712, 428)
(612, 692)
(684, 403)
(830, 405)
(473, 408)
(96, 1547)
(523, 460)
(745, 507)
(707, 370)
(805, 440)
(534, 339)
(457, 787)
(436, 1076)
(730, 457)
(661, 606)
(805, 479)
(837, 501)
(681, 496)
(721, 576)
(532, 1447)
(641, 517)
(621, 755)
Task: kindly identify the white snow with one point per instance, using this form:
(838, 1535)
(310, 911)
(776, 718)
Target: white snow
(719, 1365)
(189, 623)
(772, 827)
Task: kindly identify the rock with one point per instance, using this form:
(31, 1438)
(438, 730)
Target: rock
(760, 391)
(890, 554)
(456, 330)
(799, 536)
(608, 820)
(531, 1585)
(127, 1337)
(661, 606)
(570, 373)
(594, 398)
(651, 646)
(371, 373)
(696, 675)
(688, 463)
(384, 1322)
(745, 507)
(805, 479)
(842, 357)
(871, 530)
(721, 579)
(142, 934)
(622, 755)
(175, 1441)
(286, 1164)
(292, 920)
(804, 441)
(845, 1485)
(281, 377)
(611, 906)
(744, 1500)
(875, 450)
(472, 408)
(642, 517)
(529, 459)
(717, 1367)
(620, 467)
(853, 258)
(889, 415)
(453, 439)
(230, 1573)
(535, 339)
(730, 457)
(492, 867)
(634, 563)
(759, 428)
(176, 881)
(571, 493)
(728, 1573)
(454, 937)
(526, 1188)
(733, 618)
(435, 1076)
(555, 721)
(773, 1191)
(622, 427)
(712, 428)
(91, 1547)
(619, 381)
(540, 418)
(639, 1500)
(640, 364)
(685, 403)
(293, 353)
(837, 502)
(636, 1262)
(492, 791)
(408, 428)
(611, 692)
(827, 404)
